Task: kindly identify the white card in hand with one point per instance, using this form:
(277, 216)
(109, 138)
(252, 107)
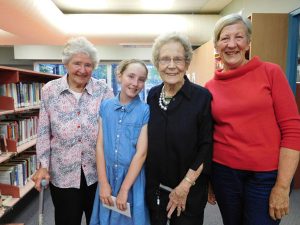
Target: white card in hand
(115, 208)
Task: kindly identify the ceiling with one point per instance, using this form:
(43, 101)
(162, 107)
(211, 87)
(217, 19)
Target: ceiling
(141, 6)
(105, 22)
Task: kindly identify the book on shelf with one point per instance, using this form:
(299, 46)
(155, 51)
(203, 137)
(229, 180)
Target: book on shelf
(9, 129)
(10, 90)
(31, 155)
(9, 175)
(24, 94)
(22, 163)
(30, 164)
(2, 89)
(21, 128)
(3, 143)
(19, 172)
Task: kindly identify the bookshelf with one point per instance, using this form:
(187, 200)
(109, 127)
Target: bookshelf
(18, 194)
(20, 97)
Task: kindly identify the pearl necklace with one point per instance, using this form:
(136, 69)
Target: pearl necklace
(163, 104)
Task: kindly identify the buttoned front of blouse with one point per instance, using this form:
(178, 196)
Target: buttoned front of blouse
(120, 137)
(67, 131)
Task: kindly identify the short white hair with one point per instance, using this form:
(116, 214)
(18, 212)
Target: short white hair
(78, 45)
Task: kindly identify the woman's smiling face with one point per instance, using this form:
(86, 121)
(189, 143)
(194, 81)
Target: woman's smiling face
(232, 45)
(172, 64)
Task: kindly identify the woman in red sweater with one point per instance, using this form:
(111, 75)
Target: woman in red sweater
(257, 131)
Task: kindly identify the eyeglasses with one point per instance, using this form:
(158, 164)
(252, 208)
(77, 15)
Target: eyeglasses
(176, 60)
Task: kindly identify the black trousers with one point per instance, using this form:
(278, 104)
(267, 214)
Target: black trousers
(70, 203)
(158, 214)
(183, 219)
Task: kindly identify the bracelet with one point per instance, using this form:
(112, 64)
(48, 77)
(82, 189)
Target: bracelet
(189, 180)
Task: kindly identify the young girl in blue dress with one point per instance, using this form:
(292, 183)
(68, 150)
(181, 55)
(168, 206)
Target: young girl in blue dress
(121, 150)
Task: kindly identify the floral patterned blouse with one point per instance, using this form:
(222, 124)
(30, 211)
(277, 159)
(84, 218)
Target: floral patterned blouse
(67, 131)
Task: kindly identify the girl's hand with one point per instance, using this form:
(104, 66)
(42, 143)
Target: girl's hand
(105, 194)
(121, 200)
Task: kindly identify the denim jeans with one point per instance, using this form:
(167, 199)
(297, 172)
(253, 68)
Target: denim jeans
(243, 196)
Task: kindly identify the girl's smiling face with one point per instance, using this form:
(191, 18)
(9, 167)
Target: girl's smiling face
(132, 81)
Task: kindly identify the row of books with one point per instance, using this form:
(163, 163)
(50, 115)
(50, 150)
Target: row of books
(24, 94)
(18, 170)
(21, 128)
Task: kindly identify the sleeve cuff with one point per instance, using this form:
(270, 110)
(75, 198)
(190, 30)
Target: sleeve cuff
(42, 164)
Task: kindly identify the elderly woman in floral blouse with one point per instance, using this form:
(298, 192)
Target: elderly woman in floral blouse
(67, 134)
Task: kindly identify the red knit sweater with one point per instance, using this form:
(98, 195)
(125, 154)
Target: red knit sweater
(255, 114)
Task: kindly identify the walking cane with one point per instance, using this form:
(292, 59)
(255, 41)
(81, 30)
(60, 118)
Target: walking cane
(41, 201)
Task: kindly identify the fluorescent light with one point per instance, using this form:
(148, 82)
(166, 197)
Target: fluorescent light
(157, 4)
(82, 4)
(108, 24)
(89, 4)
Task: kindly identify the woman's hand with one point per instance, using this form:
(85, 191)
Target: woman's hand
(122, 199)
(279, 197)
(178, 196)
(279, 202)
(211, 195)
(177, 199)
(105, 194)
(40, 174)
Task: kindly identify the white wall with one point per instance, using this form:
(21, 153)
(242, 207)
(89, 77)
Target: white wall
(7, 59)
(261, 6)
(111, 53)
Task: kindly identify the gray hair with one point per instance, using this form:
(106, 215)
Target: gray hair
(125, 63)
(171, 37)
(230, 20)
(79, 45)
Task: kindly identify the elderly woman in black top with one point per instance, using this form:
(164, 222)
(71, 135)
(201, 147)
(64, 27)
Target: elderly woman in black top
(180, 137)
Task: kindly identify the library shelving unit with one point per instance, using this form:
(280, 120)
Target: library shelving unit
(9, 75)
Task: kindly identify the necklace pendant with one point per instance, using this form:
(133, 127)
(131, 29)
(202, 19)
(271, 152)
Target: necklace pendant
(161, 101)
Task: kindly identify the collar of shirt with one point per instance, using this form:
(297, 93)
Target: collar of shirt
(128, 107)
(65, 86)
(185, 90)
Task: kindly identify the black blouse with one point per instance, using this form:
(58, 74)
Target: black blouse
(179, 138)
